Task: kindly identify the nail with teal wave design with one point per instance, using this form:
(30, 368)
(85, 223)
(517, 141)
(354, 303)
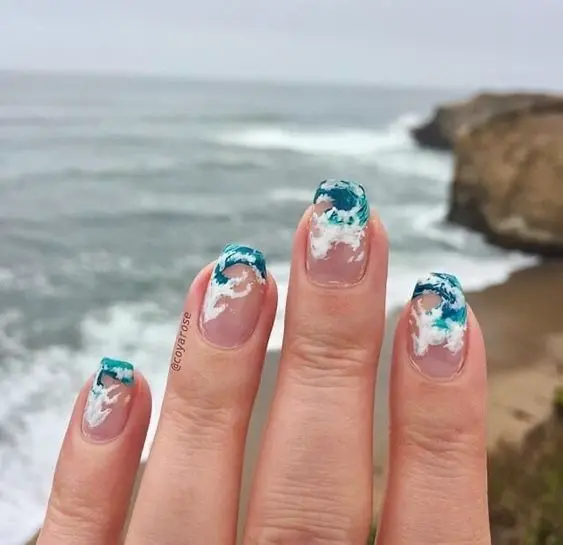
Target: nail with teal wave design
(107, 405)
(438, 323)
(338, 237)
(234, 296)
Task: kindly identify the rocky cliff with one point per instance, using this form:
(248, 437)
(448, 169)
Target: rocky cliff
(457, 118)
(508, 179)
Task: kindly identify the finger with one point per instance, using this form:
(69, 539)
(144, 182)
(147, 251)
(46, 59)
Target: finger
(436, 489)
(99, 459)
(314, 479)
(190, 488)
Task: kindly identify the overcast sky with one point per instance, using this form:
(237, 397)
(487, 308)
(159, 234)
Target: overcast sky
(431, 42)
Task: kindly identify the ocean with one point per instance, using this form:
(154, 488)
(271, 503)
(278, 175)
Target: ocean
(115, 191)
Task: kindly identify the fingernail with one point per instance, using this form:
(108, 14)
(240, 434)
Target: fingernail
(234, 295)
(438, 326)
(338, 243)
(109, 401)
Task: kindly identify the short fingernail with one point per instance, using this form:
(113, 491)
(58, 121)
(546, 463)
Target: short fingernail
(338, 242)
(438, 326)
(234, 296)
(109, 401)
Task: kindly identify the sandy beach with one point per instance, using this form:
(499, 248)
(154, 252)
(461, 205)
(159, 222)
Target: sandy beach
(523, 329)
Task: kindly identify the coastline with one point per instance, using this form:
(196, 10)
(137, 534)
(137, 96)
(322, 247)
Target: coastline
(523, 329)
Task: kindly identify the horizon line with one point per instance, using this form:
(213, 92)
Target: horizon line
(257, 80)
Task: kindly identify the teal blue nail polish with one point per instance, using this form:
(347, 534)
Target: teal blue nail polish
(348, 202)
(236, 254)
(118, 370)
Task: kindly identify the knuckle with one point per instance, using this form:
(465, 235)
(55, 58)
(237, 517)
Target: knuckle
(71, 509)
(200, 420)
(337, 356)
(305, 517)
(444, 445)
(288, 533)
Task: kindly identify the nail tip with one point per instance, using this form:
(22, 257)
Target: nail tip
(448, 287)
(107, 401)
(241, 254)
(345, 196)
(224, 288)
(339, 184)
(120, 370)
(435, 282)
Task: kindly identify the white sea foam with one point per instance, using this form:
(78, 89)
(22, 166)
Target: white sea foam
(416, 162)
(280, 271)
(346, 142)
(390, 147)
(285, 194)
(33, 416)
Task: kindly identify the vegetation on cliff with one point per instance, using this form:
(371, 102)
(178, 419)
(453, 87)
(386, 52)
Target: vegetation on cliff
(526, 486)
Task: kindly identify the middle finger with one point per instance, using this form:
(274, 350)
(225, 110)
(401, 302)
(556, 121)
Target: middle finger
(314, 478)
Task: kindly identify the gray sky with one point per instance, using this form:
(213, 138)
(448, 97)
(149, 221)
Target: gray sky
(431, 42)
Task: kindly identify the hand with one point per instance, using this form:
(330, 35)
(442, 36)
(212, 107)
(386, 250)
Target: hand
(314, 479)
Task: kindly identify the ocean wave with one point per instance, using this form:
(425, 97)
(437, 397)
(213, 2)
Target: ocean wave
(287, 194)
(37, 412)
(34, 416)
(390, 148)
(345, 142)
(49, 167)
(416, 162)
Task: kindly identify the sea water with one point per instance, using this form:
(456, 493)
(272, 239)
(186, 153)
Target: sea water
(114, 192)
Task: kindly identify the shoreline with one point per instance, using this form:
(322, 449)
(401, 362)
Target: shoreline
(523, 329)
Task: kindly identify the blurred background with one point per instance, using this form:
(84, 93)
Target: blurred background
(137, 138)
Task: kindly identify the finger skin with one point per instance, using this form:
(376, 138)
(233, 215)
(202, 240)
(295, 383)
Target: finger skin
(191, 485)
(437, 483)
(93, 482)
(314, 478)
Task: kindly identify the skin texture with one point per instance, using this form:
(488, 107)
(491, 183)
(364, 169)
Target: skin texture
(313, 482)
